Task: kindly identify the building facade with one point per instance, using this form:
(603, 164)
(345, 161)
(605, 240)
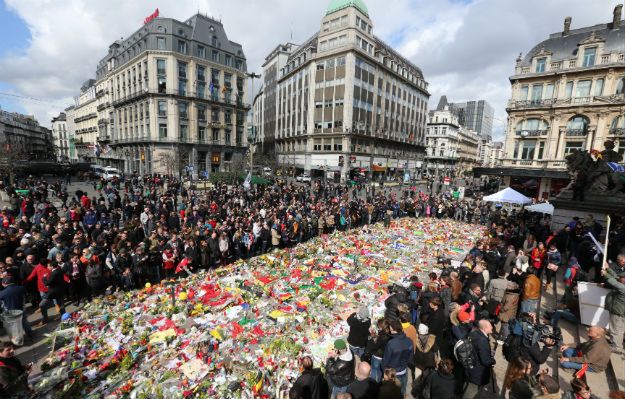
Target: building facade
(23, 137)
(85, 122)
(490, 153)
(345, 102)
(169, 99)
(475, 115)
(452, 149)
(568, 93)
(60, 137)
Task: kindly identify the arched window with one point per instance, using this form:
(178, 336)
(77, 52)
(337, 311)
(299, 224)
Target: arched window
(577, 126)
(618, 125)
(620, 87)
(532, 127)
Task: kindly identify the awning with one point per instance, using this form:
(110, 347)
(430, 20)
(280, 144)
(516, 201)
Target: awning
(545, 207)
(508, 195)
(378, 168)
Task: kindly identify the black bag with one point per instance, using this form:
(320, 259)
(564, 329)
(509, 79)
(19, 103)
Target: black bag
(465, 353)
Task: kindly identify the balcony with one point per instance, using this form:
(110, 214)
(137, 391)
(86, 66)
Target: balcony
(188, 95)
(576, 132)
(617, 131)
(531, 103)
(103, 106)
(103, 121)
(85, 117)
(532, 133)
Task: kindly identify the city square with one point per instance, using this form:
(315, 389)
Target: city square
(343, 200)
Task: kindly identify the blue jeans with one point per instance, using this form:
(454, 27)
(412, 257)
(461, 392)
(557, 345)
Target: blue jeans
(376, 369)
(572, 352)
(529, 305)
(337, 390)
(356, 350)
(403, 378)
(563, 314)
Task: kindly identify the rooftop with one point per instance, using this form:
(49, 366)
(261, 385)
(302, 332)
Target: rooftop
(337, 5)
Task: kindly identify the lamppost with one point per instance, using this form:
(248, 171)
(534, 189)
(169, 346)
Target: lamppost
(252, 133)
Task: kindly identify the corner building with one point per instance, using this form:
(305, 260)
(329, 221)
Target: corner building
(568, 93)
(170, 99)
(345, 102)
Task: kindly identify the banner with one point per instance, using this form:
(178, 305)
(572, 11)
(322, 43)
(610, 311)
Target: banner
(592, 304)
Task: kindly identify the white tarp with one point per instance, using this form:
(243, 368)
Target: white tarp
(508, 195)
(545, 207)
(592, 304)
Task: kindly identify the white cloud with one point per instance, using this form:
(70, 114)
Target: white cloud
(466, 50)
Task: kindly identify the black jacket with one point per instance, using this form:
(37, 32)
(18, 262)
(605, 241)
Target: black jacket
(480, 373)
(376, 346)
(535, 355)
(391, 303)
(440, 386)
(365, 389)
(425, 352)
(310, 385)
(340, 372)
(389, 390)
(358, 331)
(55, 283)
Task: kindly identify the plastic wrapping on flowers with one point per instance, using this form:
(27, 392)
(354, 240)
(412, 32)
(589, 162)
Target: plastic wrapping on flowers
(237, 332)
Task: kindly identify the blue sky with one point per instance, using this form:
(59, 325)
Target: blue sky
(15, 37)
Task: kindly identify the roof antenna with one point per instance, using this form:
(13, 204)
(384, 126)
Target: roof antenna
(291, 31)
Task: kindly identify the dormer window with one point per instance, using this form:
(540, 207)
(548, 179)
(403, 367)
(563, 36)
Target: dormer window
(589, 56)
(540, 64)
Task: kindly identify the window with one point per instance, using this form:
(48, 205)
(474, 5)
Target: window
(540, 64)
(589, 56)
(182, 87)
(201, 113)
(578, 123)
(160, 43)
(571, 146)
(618, 123)
(598, 87)
(201, 134)
(620, 87)
(215, 115)
(531, 125)
(161, 67)
(330, 64)
(327, 147)
(201, 51)
(524, 92)
(201, 73)
(162, 130)
(183, 132)
(568, 90)
(548, 91)
(340, 61)
(228, 60)
(182, 70)
(215, 134)
(583, 88)
(541, 149)
(215, 56)
(182, 110)
(162, 109)
(527, 152)
(182, 46)
(537, 93)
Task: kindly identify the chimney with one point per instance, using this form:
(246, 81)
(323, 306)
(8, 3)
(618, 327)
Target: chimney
(567, 26)
(616, 19)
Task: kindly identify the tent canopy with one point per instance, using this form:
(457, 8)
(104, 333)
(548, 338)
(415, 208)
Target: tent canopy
(508, 195)
(545, 207)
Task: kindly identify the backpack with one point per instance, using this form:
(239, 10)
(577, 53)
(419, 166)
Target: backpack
(512, 346)
(465, 353)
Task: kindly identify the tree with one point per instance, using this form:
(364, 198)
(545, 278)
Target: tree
(9, 157)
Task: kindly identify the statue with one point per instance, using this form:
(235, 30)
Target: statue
(592, 174)
(608, 154)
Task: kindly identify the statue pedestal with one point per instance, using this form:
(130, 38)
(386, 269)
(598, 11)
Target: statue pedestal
(598, 204)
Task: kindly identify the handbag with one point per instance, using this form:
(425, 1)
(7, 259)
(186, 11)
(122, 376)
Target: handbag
(552, 267)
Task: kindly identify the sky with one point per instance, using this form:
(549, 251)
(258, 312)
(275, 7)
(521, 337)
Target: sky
(466, 48)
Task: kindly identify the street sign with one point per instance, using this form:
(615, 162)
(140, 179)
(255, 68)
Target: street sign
(447, 180)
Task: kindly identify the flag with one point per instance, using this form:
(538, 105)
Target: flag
(211, 87)
(96, 150)
(247, 184)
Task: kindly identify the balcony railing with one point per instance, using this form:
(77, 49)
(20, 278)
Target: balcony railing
(532, 133)
(187, 94)
(576, 132)
(617, 131)
(532, 103)
(173, 140)
(85, 117)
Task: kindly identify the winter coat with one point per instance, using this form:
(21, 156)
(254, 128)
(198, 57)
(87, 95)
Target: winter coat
(377, 345)
(439, 386)
(93, 273)
(13, 376)
(398, 352)
(391, 304)
(55, 282)
(426, 352)
(340, 372)
(594, 352)
(310, 385)
(480, 373)
(497, 289)
(358, 330)
(39, 272)
(531, 287)
(389, 390)
(615, 300)
(509, 306)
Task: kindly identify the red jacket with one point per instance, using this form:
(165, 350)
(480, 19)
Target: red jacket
(40, 271)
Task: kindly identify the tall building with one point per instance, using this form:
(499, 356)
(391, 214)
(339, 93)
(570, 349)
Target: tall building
(169, 99)
(24, 138)
(568, 93)
(452, 149)
(344, 102)
(85, 123)
(60, 137)
(475, 115)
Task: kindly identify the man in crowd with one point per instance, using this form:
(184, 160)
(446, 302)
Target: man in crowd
(479, 376)
(398, 353)
(340, 368)
(594, 353)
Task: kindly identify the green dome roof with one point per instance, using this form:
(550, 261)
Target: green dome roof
(336, 5)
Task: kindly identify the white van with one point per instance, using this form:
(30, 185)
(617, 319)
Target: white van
(97, 170)
(109, 173)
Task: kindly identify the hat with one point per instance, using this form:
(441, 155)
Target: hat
(423, 329)
(340, 344)
(463, 316)
(363, 312)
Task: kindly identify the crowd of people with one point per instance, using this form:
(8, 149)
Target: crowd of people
(437, 337)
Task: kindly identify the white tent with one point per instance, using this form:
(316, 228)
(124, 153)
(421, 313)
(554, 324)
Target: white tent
(508, 195)
(545, 207)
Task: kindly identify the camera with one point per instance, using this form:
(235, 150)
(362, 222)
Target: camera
(533, 333)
